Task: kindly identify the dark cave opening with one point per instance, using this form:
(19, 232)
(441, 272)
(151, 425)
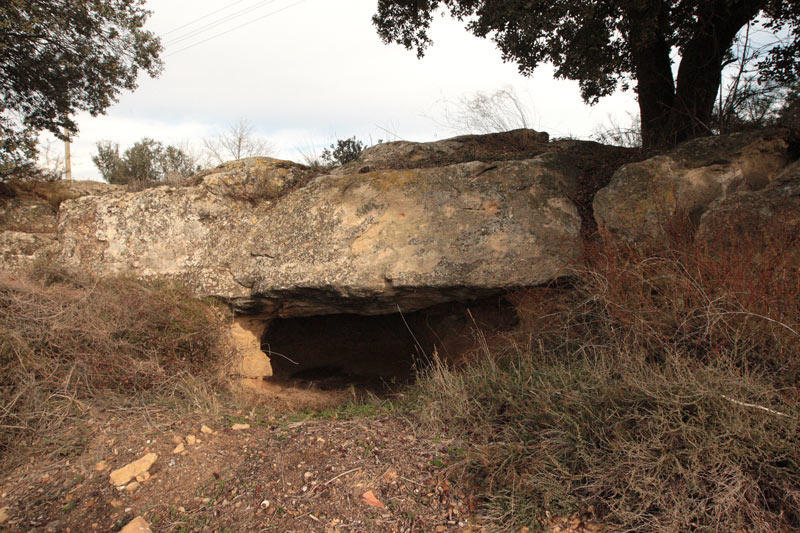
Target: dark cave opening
(377, 351)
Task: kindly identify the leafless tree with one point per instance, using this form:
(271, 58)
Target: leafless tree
(481, 112)
(51, 159)
(239, 141)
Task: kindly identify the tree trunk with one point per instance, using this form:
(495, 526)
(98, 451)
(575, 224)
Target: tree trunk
(650, 54)
(699, 74)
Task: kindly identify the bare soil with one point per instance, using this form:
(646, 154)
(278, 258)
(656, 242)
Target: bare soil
(298, 472)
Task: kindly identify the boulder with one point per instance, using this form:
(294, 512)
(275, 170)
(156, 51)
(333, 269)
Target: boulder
(19, 251)
(643, 198)
(757, 216)
(516, 144)
(363, 242)
(28, 216)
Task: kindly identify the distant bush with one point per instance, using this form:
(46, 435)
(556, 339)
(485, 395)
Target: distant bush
(660, 394)
(146, 163)
(70, 343)
(343, 151)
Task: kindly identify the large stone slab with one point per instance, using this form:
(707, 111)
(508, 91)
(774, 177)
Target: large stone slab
(642, 198)
(28, 217)
(764, 216)
(364, 242)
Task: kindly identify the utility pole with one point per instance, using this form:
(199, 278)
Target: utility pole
(67, 162)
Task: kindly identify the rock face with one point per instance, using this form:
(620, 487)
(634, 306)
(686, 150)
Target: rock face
(275, 242)
(28, 212)
(643, 197)
(756, 214)
(516, 144)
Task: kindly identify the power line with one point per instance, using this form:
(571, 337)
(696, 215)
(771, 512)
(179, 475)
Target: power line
(201, 18)
(235, 28)
(213, 24)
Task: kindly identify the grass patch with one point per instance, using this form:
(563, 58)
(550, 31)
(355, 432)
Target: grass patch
(71, 344)
(660, 392)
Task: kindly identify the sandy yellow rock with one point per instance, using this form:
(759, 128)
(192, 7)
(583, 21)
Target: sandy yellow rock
(239, 427)
(123, 475)
(137, 525)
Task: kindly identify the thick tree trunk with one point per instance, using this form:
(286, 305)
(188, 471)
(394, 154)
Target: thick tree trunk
(656, 92)
(650, 54)
(673, 111)
(699, 74)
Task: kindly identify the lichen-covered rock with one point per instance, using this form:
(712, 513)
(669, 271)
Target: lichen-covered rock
(516, 144)
(363, 243)
(642, 197)
(27, 215)
(758, 216)
(253, 179)
(28, 212)
(19, 251)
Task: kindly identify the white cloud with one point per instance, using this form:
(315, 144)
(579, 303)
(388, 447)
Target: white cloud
(314, 72)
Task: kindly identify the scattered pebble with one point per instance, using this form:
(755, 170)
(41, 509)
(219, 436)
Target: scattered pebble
(238, 427)
(180, 448)
(137, 525)
(123, 475)
(102, 465)
(370, 499)
(206, 429)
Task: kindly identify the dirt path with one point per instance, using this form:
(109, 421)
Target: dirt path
(281, 474)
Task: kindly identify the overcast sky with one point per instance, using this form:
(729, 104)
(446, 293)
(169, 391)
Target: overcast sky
(306, 72)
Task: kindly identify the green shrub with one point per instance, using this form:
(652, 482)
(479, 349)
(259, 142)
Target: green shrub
(343, 151)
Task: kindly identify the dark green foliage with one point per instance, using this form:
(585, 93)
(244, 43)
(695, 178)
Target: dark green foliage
(17, 150)
(343, 151)
(59, 57)
(147, 162)
(610, 45)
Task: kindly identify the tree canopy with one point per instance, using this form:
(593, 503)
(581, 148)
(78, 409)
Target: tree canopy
(607, 45)
(58, 57)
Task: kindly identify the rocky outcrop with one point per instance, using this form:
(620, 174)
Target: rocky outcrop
(362, 243)
(642, 198)
(757, 215)
(516, 144)
(28, 218)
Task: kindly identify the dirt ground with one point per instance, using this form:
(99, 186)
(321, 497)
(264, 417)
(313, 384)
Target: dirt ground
(355, 468)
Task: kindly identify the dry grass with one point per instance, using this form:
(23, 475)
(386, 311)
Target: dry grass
(71, 345)
(661, 392)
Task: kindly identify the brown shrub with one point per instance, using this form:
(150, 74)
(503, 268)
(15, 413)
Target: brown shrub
(70, 342)
(661, 393)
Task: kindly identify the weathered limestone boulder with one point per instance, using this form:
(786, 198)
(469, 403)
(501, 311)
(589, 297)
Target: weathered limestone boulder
(643, 197)
(252, 179)
(28, 212)
(20, 250)
(757, 216)
(361, 243)
(516, 144)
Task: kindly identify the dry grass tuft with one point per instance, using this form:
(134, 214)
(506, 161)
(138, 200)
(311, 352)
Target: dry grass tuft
(662, 393)
(71, 344)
